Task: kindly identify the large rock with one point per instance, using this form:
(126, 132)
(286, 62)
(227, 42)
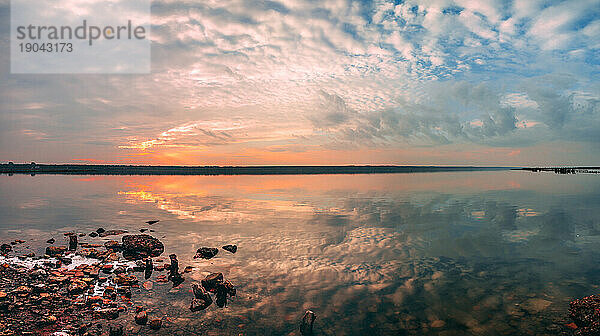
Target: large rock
(72, 243)
(55, 251)
(77, 287)
(141, 246)
(227, 288)
(230, 248)
(306, 326)
(5, 248)
(202, 298)
(586, 314)
(155, 324)
(224, 289)
(211, 281)
(141, 317)
(206, 252)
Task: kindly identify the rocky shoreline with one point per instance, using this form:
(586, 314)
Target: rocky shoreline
(80, 288)
(585, 313)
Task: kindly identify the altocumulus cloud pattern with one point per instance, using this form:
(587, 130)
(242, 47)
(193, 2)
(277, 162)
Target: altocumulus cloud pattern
(295, 75)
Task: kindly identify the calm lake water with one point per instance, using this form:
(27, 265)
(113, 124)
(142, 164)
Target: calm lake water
(467, 253)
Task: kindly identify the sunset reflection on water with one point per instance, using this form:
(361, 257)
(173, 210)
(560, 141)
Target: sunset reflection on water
(478, 253)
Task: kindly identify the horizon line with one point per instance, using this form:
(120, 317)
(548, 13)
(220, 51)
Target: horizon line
(123, 169)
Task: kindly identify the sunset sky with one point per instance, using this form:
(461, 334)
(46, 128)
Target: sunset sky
(327, 82)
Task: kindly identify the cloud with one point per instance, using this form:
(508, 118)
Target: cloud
(329, 73)
(447, 116)
(333, 112)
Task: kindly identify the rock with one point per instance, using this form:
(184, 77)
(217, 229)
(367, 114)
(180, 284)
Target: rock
(155, 324)
(64, 260)
(125, 290)
(112, 233)
(585, 313)
(176, 280)
(39, 274)
(438, 324)
(93, 299)
(306, 327)
(112, 245)
(23, 290)
(120, 270)
(126, 280)
(202, 298)
(152, 221)
(141, 246)
(139, 266)
(5, 248)
(226, 287)
(115, 330)
(162, 279)
(211, 281)
(198, 305)
(90, 253)
(112, 256)
(51, 241)
(77, 287)
(230, 248)
(72, 243)
(571, 325)
(535, 305)
(188, 269)
(174, 274)
(100, 230)
(93, 234)
(108, 313)
(149, 268)
(174, 268)
(141, 317)
(206, 252)
(54, 251)
(221, 299)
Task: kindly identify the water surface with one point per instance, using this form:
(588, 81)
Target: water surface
(449, 253)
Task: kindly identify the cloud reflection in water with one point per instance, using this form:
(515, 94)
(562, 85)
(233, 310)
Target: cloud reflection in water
(478, 253)
(389, 260)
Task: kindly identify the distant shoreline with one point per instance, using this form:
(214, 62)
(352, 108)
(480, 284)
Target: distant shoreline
(83, 169)
(564, 170)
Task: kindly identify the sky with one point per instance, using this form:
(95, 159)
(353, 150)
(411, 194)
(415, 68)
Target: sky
(247, 82)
